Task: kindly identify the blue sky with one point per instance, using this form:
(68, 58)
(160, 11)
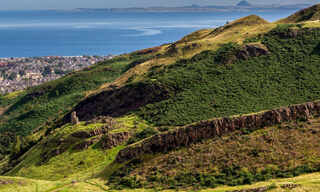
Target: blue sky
(70, 4)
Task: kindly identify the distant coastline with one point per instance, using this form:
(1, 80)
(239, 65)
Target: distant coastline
(197, 8)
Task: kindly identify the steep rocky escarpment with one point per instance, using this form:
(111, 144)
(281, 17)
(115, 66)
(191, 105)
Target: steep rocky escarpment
(118, 101)
(212, 128)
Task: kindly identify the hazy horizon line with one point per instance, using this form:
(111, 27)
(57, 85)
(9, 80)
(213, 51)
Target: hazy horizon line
(62, 9)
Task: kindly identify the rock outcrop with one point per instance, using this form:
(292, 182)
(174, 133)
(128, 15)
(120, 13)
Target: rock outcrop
(118, 101)
(85, 144)
(290, 186)
(252, 50)
(74, 118)
(187, 135)
(101, 119)
(86, 134)
(112, 140)
(259, 189)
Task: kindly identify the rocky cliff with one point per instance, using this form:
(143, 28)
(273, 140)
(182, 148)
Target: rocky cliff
(187, 135)
(117, 101)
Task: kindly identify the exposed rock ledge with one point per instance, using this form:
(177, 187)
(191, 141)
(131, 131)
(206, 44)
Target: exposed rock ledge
(209, 129)
(112, 140)
(252, 50)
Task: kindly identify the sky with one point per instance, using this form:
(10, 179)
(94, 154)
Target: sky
(71, 4)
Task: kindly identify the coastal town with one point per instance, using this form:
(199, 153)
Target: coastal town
(17, 74)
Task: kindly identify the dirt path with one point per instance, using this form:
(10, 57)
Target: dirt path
(61, 188)
(56, 190)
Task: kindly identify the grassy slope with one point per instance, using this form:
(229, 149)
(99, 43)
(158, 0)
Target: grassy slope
(28, 185)
(309, 14)
(67, 164)
(309, 182)
(209, 39)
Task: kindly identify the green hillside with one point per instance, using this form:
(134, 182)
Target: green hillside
(277, 69)
(247, 66)
(42, 106)
(305, 15)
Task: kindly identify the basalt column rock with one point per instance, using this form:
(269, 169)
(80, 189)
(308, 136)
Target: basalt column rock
(74, 118)
(184, 136)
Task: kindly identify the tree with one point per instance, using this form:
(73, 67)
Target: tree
(59, 72)
(3, 71)
(60, 64)
(47, 70)
(22, 72)
(13, 76)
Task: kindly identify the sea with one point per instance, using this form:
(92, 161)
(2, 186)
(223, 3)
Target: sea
(75, 33)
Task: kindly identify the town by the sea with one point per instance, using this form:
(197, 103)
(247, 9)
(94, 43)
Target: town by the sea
(76, 33)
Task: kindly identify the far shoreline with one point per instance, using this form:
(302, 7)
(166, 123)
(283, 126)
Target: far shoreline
(113, 55)
(195, 8)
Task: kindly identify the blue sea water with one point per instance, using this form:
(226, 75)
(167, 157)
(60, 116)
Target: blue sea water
(41, 33)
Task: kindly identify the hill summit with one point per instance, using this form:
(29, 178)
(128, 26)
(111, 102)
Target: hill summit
(308, 14)
(244, 3)
(251, 20)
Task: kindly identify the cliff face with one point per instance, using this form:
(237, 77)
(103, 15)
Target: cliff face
(185, 136)
(116, 102)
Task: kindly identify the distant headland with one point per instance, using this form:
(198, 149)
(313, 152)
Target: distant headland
(242, 6)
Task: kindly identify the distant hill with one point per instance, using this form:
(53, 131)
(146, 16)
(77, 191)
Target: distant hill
(244, 3)
(308, 14)
(242, 6)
